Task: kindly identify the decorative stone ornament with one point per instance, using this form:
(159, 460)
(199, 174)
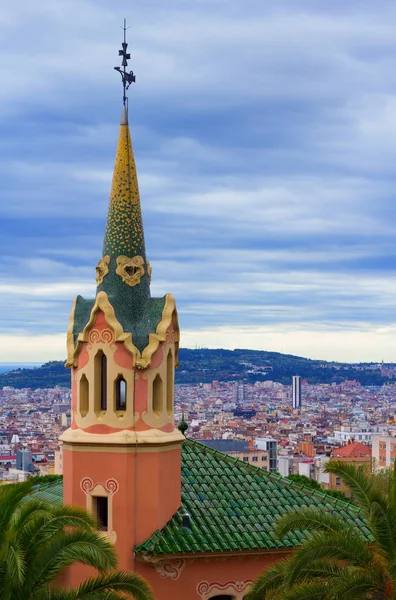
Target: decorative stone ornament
(149, 270)
(131, 270)
(102, 269)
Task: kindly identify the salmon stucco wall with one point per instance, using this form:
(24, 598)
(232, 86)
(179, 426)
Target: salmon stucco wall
(203, 577)
(140, 497)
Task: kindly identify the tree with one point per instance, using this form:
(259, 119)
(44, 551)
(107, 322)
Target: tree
(304, 480)
(38, 540)
(340, 559)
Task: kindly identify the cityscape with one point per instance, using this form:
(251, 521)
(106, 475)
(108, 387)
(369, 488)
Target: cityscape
(289, 429)
(198, 382)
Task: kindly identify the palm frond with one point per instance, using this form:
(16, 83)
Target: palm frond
(330, 547)
(309, 519)
(86, 547)
(297, 570)
(316, 590)
(355, 478)
(11, 497)
(111, 586)
(268, 582)
(358, 585)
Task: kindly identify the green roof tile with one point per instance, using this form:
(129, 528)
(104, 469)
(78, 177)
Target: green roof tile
(234, 506)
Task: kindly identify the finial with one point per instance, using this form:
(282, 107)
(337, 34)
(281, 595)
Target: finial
(182, 426)
(127, 78)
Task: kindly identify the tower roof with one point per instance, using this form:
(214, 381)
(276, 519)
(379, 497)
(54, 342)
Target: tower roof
(124, 227)
(127, 280)
(123, 273)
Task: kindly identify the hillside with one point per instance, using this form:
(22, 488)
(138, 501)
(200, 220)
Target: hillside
(204, 366)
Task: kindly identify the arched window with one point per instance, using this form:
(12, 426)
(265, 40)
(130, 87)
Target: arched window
(84, 395)
(120, 393)
(158, 395)
(169, 383)
(100, 367)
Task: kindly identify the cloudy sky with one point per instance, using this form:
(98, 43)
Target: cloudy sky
(265, 138)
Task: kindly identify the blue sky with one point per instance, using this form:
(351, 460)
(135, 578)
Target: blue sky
(265, 140)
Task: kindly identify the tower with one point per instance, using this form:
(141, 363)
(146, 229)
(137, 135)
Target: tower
(296, 391)
(240, 394)
(122, 450)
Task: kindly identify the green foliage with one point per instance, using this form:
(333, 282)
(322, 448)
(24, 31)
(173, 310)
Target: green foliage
(339, 495)
(204, 366)
(336, 562)
(38, 540)
(312, 483)
(303, 480)
(39, 479)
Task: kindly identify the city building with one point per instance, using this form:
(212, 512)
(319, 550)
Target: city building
(384, 450)
(270, 445)
(355, 453)
(258, 458)
(362, 432)
(296, 392)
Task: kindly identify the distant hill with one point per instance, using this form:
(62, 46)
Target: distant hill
(204, 366)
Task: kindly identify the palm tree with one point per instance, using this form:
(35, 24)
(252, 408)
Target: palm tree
(38, 540)
(342, 558)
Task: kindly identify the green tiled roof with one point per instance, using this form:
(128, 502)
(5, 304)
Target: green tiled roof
(234, 506)
(140, 328)
(51, 492)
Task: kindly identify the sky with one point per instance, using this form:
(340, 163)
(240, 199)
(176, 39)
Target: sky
(265, 139)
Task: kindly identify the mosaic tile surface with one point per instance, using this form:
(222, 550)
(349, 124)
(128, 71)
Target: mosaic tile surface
(136, 311)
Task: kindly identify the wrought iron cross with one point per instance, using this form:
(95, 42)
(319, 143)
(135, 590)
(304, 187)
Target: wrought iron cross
(127, 77)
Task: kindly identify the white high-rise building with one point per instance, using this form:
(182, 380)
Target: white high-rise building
(296, 391)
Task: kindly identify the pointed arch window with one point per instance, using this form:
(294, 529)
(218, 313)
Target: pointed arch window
(84, 395)
(169, 383)
(100, 367)
(158, 395)
(120, 394)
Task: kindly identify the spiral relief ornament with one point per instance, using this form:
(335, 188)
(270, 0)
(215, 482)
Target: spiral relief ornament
(86, 485)
(171, 568)
(106, 336)
(94, 336)
(111, 486)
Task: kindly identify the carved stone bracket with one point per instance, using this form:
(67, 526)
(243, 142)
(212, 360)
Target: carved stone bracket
(149, 269)
(171, 568)
(102, 269)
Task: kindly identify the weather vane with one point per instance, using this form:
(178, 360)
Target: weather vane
(127, 77)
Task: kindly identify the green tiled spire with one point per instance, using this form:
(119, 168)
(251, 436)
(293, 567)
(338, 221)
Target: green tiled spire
(124, 227)
(123, 272)
(127, 282)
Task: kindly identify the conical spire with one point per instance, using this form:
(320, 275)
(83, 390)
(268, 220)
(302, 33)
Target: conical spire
(124, 272)
(124, 227)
